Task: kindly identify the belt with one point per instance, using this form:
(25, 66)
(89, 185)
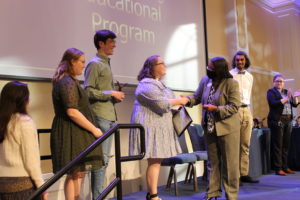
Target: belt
(244, 105)
(15, 184)
(286, 116)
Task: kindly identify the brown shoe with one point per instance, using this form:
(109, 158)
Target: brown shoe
(280, 173)
(289, 171)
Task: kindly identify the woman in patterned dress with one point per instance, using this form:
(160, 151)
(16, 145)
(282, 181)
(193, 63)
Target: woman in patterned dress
(73, 126)
(152, 109)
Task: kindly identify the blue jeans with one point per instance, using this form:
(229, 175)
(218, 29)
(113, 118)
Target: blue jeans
(98, 176)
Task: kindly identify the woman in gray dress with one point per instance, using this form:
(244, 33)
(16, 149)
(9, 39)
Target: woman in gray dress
(73, 126)
(152, 109)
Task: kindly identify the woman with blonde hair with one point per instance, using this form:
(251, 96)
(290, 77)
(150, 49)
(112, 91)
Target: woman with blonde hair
(73, 127)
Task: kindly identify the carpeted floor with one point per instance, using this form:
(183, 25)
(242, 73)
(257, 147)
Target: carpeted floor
(271, 187)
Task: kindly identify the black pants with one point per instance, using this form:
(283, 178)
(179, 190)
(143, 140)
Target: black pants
(280, 142)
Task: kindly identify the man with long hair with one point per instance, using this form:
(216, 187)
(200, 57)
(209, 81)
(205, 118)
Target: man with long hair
(240, 64)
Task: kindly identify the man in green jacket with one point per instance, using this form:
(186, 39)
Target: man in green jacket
(100, 89)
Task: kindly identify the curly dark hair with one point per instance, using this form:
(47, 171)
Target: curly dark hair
(241, 53)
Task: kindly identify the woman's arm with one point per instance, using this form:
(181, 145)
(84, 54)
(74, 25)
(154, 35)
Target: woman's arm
(295, 98)
(195, 99)
(68, 90)
(30, 149)
(181, 101)
(83, 122)
(31, 152)
(272, 100)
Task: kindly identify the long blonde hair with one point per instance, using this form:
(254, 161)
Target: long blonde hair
(65, 65)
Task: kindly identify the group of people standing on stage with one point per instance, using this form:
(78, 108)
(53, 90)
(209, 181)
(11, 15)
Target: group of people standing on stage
(84, 114)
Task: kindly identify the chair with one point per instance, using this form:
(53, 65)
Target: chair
(199, 146)
(185, 157)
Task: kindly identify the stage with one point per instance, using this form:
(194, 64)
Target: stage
(271, 187)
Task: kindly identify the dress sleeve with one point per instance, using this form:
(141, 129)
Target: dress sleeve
(68, 91)
(30, 150)
(153, 97)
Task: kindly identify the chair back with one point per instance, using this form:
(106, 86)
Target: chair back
(183, 145)
(196, 134)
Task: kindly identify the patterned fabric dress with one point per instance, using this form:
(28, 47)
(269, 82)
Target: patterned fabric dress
(67, 138)
(152, 110)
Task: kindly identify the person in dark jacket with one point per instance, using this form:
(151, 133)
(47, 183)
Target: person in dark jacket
(280, 118)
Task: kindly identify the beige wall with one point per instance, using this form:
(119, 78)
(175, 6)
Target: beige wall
(263, 33)
(262, 37)
(216, 28)
(263, 50)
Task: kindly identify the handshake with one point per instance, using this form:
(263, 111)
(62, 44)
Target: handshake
(182, 100)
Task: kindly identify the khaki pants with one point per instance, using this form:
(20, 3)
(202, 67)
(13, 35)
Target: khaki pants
(245, 136)
(223, 164)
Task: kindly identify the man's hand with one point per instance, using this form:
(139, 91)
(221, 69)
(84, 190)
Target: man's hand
(118, 96)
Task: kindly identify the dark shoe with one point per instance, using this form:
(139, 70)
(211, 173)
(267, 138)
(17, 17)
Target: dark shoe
(248, 179)
(151, 196)
(289, 171)
(280, 173)
(209, 198)
(148, 196)
(241, 183)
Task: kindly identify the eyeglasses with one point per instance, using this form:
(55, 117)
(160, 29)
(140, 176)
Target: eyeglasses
(279, 81)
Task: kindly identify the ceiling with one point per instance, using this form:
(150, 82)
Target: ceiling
(278, 5)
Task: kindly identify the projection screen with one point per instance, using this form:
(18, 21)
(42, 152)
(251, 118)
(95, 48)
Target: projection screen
(35, 33)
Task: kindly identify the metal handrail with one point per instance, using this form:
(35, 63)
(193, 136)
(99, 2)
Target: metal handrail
(117, 181)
